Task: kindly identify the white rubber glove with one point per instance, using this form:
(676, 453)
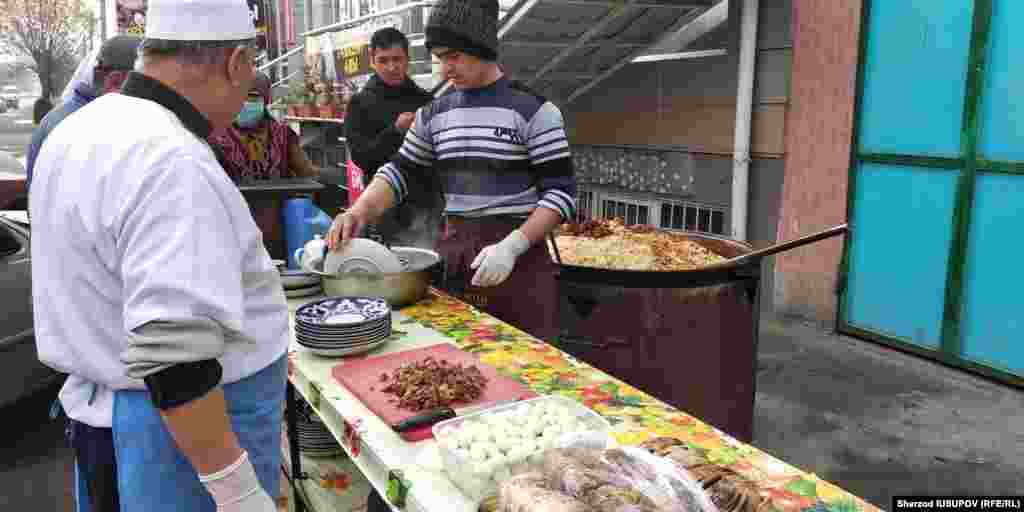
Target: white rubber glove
(237, 489)
(495, 262)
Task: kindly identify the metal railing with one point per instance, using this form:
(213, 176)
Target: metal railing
(287, 78)
(342, 25)
(283, 56)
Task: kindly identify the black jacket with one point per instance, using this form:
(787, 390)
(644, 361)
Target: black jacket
(370, 121)
(373, 140)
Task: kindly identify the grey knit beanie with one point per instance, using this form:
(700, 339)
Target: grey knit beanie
(470, 26)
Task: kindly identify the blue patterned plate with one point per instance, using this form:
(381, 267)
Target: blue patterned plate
(313, 341)
(345, 338)
(343, 312)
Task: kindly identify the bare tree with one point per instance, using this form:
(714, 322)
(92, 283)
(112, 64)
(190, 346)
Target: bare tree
(55, 34)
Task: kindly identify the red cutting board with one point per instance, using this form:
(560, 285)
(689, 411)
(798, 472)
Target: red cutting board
(359, 375)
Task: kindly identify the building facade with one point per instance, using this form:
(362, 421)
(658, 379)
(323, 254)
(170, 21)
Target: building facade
(896, 118)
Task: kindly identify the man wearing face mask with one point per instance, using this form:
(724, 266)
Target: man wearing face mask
(152, 288)
(375, 125)
(109, 69)
(258, 147)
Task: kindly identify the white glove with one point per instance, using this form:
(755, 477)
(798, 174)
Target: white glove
(495, 262)
(237, 489)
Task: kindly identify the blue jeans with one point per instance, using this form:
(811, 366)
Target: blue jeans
(154, 476)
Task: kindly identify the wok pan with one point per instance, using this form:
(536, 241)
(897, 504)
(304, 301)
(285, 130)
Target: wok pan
(741, 259)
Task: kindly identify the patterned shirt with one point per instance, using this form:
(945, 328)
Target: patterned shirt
(498, 150)
(258, 154)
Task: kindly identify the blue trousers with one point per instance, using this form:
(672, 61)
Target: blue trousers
(154, 476)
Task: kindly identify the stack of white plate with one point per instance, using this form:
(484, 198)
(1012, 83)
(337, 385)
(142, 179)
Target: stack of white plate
(342, 326)
(314, 438)
(299, 283)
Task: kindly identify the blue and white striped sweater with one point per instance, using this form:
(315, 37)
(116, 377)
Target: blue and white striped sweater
(497, 150)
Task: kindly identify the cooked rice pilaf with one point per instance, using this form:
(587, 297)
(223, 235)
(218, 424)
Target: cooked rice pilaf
(610, 244)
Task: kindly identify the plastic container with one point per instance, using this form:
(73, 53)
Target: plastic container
(302, 220)
(478, 477)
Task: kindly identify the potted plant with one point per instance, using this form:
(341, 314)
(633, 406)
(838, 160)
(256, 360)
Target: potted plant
(278, 108)
(295, 97)
(324, 102)
(307, 108)
(305, 102)
(342, 94)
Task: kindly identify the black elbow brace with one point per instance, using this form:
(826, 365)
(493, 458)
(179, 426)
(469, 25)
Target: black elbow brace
(180, 384)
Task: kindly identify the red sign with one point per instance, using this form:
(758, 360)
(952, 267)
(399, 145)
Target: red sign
(131, 17)
(355, 182)
(288, 22)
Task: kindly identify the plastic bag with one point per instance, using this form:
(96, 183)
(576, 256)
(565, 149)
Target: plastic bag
(671, 482)
(621, 478)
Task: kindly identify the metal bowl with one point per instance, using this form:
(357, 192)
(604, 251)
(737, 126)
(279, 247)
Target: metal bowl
(399, 288)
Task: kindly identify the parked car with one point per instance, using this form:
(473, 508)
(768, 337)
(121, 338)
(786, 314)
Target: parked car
(21, 373)
(10, 96)
(3, 107)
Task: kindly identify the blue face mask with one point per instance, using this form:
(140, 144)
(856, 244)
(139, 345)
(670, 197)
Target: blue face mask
(251, 114)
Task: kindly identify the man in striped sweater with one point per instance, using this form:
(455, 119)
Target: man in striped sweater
(502, 155)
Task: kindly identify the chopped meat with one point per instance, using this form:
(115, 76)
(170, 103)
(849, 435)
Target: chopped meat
(589, 229)
(430, 384)
(641, 228)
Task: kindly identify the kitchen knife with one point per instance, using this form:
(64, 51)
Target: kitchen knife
(444, 413)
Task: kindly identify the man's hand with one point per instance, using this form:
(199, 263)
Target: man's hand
(346, 226)
(236, 488)
(372, 203)
(405, 120)
(495, 262)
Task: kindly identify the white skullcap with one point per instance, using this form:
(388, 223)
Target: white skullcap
(199, 20)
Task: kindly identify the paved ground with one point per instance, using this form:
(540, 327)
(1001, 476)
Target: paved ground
(35, 470)
(881, 423)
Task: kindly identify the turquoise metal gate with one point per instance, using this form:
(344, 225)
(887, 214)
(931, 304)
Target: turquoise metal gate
(937, 183)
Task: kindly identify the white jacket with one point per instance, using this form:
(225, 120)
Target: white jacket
(134, 221)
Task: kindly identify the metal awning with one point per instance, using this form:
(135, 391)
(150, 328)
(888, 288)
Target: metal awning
(562, 48)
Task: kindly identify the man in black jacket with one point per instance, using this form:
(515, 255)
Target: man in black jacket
(377, 119)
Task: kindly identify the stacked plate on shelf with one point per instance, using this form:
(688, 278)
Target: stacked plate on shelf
(314, 438)
(299, 283)
(342, 326)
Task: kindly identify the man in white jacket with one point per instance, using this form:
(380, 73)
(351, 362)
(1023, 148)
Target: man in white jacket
(152, 288)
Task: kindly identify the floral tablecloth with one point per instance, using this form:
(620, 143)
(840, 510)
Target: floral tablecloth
(334, 484)
(635, 416)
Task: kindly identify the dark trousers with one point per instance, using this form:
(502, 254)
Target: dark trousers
(94, 456)
(376, 503)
